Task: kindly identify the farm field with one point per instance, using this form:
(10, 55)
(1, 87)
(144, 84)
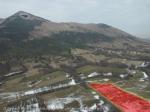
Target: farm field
(127, 102)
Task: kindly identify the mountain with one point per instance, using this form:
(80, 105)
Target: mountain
(147, 40)
(19, 25)
(38, 27)
(24, 34)
(1, 20)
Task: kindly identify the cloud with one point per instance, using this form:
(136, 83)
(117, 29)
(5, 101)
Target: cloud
(129, 15)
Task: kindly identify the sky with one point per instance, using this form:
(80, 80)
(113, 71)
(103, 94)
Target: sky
(132, 16)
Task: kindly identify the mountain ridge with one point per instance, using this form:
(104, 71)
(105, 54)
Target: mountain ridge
(25, 34)
(48, 26)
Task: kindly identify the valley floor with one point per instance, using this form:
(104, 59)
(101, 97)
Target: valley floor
(50, 87)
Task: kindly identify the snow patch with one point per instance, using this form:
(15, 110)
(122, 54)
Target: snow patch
(106, 80)
(57, 104)
(67, 75)
(145, 64)
(96, 97)
(29, 108)
(107, 74)
(93, 74)
(72, 82)
(123, 75)
(145, 75)
(93, 92)
(101, 102)
(82, 76)
(93, 107)
(12, 73)
(29, 92)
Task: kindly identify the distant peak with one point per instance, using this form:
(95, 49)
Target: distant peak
(102, 25)
(22, 13)
(27, 16)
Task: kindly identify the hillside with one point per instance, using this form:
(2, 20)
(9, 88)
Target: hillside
(1, 20)
(25, 35)
(38, 27)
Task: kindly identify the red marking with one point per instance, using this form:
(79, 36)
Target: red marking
(127, 102)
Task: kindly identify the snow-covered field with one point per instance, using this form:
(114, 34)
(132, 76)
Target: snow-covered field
(14, 95)
(27, 106)
(57, 104)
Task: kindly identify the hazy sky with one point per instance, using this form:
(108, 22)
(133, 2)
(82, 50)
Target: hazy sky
(132, 16)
